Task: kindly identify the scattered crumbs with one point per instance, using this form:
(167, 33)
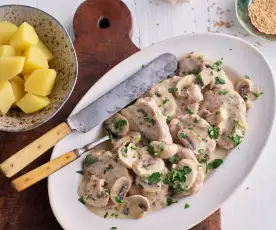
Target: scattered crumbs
(247, 188)
(230, 49)
(220, 24)
(157, 24)
(208, 28)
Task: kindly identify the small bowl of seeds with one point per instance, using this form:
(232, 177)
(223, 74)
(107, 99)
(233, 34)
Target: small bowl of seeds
(258, 17)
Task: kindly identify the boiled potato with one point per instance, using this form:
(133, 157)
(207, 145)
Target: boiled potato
(41, 82)
(24, 37)
(7, 30)
(7, 51)
(7, 96)
(26, 77)
(35, 59)
(10, 67)
(31, 103)
(18, 80)
(40, 45)
(18, 91)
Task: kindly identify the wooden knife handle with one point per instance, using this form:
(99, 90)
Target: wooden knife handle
(25, 156)
(43, 171)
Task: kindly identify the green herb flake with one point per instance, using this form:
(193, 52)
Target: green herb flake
(154, 178)
(145, 116)
(172, 159)
(186, 206)
(143, 66)
(220, 81)
(90, 160)
(186, 170)
(197, 120)
(169, 118)
(188, 110)
(80, 172)
(217, 66)
(118, 200)
(223, 92)
(215, 164)
(201, 151)
(133, 148)
(172, 90)
(204, 158)
(171, 201)
(111, 135)
(140, 186)
(81, 200)
(151, 149)
(161, 147)
(120, 124)
(110, 167)
(236, 139)
(190, 128)
(182, 135)
(247, 77)
(199, 80)
(257, 95)
(114, 215)
(170, 76)
(195, 71)
(165, 101)
(114, 228)
(213, 132)
(245, 98)
(201, 58)
(124, 150)
(106, 214)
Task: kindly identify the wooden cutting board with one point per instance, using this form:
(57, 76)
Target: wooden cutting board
(103, 30)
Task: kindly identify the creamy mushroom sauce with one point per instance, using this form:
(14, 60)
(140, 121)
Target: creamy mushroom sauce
(168, 141)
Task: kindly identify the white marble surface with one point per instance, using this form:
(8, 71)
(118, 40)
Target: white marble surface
(253, 204)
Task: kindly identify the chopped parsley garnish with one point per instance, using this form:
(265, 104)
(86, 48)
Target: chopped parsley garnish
(186, 206)
(133, 148)
(111, 135)
(194, 71)
(143, 66)
(165, 101)
(172, 90)
(114, 215)
(106, 214)
(81, 200)
(201, 151)
(245, 97)
(236, 139)
(171, 201)
(236, 123)
(204, 158)
(257, 95)
(124, 150)
(151, 149)
(247, 77)
(199, 80)
(191, 128)
(220, 81)
(114, 228)
(118, 200)
(223, 92)
(201, 58)
(140, 186)
(197, 120)
(217, 66)
(182, 135)
(110, 167)
(213, 132)
(215, 164)
(90, 160)
(170, 76)
(161, 147)
(169, 118)
(120, 124)
(186, 170)
(80, 172)
(146, 118)
(188, 110)
(154, 178)
(172, 159)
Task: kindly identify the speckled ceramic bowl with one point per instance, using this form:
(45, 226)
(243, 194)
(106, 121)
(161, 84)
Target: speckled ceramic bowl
(243, 18)
(52, 33)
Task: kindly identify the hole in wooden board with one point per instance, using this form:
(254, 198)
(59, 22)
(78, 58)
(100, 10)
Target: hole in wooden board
(103, 22)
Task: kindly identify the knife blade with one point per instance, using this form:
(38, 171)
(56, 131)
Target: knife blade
(123, 94)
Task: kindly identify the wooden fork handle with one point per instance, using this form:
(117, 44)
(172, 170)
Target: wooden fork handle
(43, 171)
(25, 156)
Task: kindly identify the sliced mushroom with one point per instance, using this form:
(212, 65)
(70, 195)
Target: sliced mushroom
(191, 177)
(119, 190)
(192, 63)
(94, 193)
(183, 84)
(128, 155)
(144, 185)
(135, 206)
(185, 153)
(190, 140)
(163, 99)
(117, 124)
(243, 87)
(133, 137)
(162, 150)
(147, 164)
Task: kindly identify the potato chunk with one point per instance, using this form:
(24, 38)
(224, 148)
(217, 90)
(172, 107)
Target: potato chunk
(18, 79)
(7, 96)
(24, 37)
(18, 91)
(7, 30)
(35, 59)
(31, 103)
(7, 51)
(41, 82)
(40, 45)
(10, 67)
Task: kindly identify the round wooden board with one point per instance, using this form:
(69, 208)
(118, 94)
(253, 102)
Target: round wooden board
(98, 50)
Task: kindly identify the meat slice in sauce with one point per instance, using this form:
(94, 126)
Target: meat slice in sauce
(145, 116)
(233, 127)
(193, 63)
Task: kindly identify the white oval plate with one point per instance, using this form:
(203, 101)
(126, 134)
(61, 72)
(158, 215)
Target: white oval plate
(237, 54)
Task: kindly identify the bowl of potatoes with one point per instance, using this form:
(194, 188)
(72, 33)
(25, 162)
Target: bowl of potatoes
(38, 67)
